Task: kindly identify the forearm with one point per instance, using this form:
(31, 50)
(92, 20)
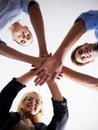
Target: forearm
(24, 79)
(38, 24)
(16, 55)
(73, 35)
(56, 94)
(80, 78)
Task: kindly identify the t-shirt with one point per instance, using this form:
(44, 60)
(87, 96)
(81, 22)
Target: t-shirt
(11, 11)
(91, 20)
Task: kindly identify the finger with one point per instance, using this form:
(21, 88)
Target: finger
(45, 80)
(60, 75)
(32, 65)
(34, 69)
(42, 72)
(54, 76)
(38, 80)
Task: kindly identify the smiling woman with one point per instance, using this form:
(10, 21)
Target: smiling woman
(30, 111)
(84, 54)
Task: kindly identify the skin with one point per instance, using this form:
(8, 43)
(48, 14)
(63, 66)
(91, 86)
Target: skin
(83, 79)
(16, 55)
(86, 53)
(21, 34)
(38, 25)
(29, 106)
(52, 67)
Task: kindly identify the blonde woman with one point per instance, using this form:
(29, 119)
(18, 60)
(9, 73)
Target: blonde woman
(30, 111)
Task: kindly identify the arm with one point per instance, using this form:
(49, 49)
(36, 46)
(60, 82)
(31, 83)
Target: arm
(38, 24)
(52, 67)
(56, 94)
(60, 109)
(83, 79)
(16, 55)
(10, 91)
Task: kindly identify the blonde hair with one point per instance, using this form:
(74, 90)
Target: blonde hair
(37, 117)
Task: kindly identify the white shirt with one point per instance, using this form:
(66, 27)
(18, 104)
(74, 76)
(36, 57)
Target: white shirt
(11, 11)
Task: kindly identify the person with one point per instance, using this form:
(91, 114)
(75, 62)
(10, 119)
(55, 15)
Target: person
(30, 109)
(11, 11)
(84, 54)
(83, 79)
(52, 66)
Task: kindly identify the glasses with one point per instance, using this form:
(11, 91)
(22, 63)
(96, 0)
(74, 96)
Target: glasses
(30, 99)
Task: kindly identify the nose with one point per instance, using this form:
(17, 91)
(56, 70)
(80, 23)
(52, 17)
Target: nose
(33, 101)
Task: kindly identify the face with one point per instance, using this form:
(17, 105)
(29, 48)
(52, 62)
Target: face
(22, 36)
(32, 104)
(85, 53)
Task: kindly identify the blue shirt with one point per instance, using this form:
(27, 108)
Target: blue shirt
(11, 11)
(90, 19)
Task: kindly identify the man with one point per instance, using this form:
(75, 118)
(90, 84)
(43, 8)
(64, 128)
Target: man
(10, 13)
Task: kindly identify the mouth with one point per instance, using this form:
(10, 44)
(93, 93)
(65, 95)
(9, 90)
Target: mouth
(88, 51)
(32, 107)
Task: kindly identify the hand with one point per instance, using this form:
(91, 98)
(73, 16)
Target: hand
(46, 55)
(50, 68)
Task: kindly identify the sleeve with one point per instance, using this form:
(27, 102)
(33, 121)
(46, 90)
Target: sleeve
(96, 34)
(7, 96)
(60, 116)
(90, 19)
(25, 4)
(2, 42)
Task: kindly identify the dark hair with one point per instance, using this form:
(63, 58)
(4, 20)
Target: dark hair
(73, 59)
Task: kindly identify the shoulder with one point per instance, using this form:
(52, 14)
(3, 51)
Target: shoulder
(27, 3)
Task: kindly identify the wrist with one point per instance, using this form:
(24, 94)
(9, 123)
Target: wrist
(58, 58)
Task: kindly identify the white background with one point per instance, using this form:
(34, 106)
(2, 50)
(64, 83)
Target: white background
(59, 16)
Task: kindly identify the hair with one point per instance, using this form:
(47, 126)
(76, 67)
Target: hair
(73, 59)
(20, 109)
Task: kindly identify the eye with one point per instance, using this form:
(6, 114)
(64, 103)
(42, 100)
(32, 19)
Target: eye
(30, 98)
(28, 36)
(80, 51)
(22, 41)
(38, 102)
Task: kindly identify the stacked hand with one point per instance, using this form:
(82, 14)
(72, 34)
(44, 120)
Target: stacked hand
(49, 69)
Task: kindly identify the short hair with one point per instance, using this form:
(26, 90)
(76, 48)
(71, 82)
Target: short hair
(73, 59)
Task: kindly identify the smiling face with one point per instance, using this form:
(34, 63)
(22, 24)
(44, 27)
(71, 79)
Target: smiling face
(32, 104)
(85, 53)
(22, 35)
